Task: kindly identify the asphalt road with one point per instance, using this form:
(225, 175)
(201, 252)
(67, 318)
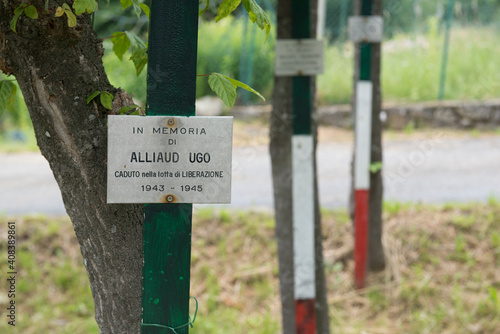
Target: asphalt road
(430, 170)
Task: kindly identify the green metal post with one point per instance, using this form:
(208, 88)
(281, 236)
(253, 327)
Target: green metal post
(301, 28)
(444, 62)
(167, 227)
(365, 48)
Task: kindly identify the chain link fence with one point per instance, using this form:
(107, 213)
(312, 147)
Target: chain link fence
(413, 16)
(447, 44)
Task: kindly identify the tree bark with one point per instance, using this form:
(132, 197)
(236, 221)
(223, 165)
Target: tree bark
(281, 159)
(376, 257)
(57, 68)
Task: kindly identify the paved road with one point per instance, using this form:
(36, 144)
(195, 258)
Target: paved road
(432, 170)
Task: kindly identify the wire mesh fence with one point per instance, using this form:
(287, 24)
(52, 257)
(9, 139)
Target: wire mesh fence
(422, 59)
(413, 16)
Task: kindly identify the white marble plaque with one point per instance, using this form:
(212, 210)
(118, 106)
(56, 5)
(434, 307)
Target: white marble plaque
(366, 29)
(296, 57)
(169, 159)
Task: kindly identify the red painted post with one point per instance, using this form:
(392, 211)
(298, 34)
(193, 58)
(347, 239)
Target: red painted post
(305, 316)
(361, 236)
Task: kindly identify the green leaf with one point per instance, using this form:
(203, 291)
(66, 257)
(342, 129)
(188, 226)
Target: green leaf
(145, 9)
(80, 6)
(71, 18)
(258, 15)
(237, 83)
(223, 87)
(125, 3)
(121, 43)
(13, 95)
(7, 92)
(17, 12)
(139, 52)
(205, 9)
(31, 12)
(375, 166)
(140, 59)
(59, 12)
(14, 22)
(92, 96)
(135, 41)
(107, 100)
(70, 15)
(20, 8)
(137, 7)
(126, 109)
(226, 8)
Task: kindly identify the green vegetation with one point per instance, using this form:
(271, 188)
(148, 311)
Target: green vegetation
(410, 68)
(441, 275)
(53, 292)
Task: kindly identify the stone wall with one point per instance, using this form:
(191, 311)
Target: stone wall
(451, 114)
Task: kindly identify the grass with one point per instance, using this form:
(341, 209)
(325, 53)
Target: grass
(441, 276)
(10, 142)
(53, 293)
(411, 65)
(411, 68)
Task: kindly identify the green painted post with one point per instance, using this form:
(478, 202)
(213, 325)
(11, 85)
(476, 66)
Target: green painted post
(365, 48)
(167, 227)
(442, 81)
(301, 28)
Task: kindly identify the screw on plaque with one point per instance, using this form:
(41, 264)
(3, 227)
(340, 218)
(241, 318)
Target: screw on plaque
(169, 199)
(171, 122)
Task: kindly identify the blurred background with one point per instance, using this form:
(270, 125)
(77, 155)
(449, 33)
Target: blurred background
(413, 62)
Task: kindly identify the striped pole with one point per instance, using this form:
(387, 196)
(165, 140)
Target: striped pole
(171, 85)
(303, 185)
(363, 124)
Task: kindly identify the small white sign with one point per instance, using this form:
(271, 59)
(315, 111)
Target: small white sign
(366, 29)
(296, 57)
(169, 159)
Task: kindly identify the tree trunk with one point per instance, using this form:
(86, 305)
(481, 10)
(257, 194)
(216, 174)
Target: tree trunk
(376, 258)
(281, 161)
(57, 68)
(281, 158)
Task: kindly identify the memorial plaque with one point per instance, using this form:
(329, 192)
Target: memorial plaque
(295, 57)
(366, 29)
(169, 159)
